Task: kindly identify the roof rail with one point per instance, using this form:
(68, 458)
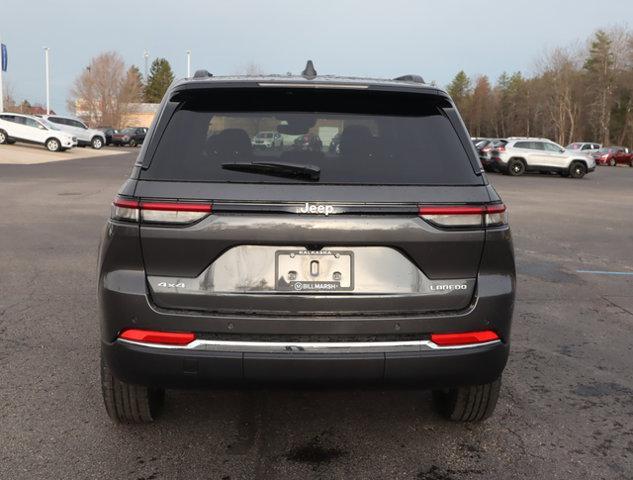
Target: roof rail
(202, 74)
(410, 78)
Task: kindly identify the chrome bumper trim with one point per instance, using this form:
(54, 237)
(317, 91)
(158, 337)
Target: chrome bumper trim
(309, 347)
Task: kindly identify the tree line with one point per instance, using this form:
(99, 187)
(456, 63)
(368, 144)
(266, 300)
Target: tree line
(582, 93)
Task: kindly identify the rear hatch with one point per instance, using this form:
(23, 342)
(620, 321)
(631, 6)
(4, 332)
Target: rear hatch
(291, 231)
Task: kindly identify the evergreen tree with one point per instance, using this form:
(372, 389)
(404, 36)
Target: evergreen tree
(600, 66)
(159, 78)
(459, 88)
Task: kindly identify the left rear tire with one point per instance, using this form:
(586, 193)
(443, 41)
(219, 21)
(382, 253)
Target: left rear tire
(127, 403)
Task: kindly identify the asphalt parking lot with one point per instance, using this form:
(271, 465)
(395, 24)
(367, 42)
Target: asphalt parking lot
(566, 405)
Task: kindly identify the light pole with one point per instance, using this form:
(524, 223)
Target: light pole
(48, 81)
(146, 56)
(1, 87)
(188, 63)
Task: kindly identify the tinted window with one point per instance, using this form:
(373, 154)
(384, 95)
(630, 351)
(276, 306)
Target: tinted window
(550, 147)
(57, 120)
(29, 122)
(523, 145)
(395, 139)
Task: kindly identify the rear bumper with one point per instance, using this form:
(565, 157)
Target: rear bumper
(181, 367)
(125, 303)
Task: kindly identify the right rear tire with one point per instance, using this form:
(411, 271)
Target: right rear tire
(516, 167)
(96, 142)
(577, 170)
(471, 403)
(53, 145)
(127, 403)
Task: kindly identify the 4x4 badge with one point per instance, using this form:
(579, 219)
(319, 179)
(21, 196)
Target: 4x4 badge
(171, 285)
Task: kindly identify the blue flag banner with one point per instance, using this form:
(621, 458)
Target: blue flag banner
(5, 58)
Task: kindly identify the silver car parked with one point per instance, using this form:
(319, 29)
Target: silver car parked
(523, 154)
(587, 148)
(85, 136)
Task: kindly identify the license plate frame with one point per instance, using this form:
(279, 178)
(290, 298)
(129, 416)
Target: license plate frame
(300, 262)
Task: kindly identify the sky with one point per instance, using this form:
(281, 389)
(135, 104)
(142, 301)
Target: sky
(386, 39)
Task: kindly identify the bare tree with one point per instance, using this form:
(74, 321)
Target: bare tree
(8, 96)
(104, 92)
(561, 77)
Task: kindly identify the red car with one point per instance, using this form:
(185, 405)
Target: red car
(614, 156)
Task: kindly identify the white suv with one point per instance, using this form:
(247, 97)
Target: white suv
(540, 155)
(85, 136)
(29, 129)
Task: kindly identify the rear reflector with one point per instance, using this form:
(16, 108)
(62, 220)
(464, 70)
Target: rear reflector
(464, 215)
(160, 212)
(466, 338)
(152, 336)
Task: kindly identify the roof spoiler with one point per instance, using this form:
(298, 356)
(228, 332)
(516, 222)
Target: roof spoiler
(202, 74)
(410, 78)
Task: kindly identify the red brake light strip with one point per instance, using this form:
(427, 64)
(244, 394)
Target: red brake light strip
(153, 336)
(466, 338)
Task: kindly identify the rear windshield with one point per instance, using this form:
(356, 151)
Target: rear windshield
(345, 137)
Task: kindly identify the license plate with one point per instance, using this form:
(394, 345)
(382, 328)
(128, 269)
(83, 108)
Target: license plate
(314, 271)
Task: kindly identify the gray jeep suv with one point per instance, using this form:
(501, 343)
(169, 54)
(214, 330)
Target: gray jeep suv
(385, 260)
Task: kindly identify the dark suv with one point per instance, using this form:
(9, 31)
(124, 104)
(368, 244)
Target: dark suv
(386, 259)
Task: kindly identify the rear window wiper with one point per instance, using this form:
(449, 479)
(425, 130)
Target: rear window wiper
(280, 169)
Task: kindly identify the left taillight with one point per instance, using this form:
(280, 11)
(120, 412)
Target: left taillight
(465, 216)
(125, 209)
(177, 213)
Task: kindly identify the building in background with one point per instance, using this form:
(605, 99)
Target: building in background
(132, 115)
(140, 115)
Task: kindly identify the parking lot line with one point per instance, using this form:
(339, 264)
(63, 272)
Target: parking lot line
(601, 272)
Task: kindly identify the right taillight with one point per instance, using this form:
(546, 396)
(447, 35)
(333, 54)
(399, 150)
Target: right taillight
(174, 213)
(465, 216)
(496, 215)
